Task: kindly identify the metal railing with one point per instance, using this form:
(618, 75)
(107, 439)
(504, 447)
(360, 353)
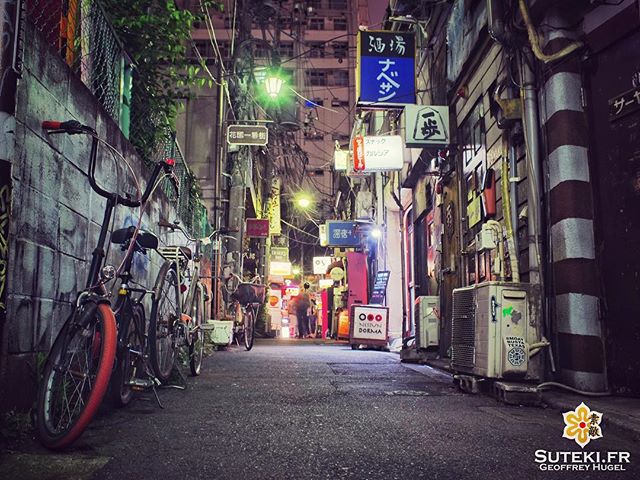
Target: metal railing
(80, 32)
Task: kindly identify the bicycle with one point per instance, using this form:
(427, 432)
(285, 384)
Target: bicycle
(79, 365)
(189, 332)
(247, 298)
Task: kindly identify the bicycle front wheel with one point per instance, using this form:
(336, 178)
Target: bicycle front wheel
(76, 376)
(249, 327)
(165, 313)
(196, 347)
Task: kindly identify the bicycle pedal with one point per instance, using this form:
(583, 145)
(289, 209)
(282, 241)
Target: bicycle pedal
(140, 384)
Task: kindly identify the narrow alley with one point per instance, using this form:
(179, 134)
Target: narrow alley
(306, 410)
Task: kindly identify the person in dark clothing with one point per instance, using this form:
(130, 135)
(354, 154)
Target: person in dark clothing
(303, 303)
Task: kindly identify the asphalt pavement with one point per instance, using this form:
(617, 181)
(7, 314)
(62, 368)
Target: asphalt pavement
(305, 410)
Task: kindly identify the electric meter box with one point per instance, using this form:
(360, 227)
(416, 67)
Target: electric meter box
(369, 325)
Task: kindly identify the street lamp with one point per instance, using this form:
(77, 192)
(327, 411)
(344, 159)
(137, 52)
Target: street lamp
(376, 232)
(273, 83)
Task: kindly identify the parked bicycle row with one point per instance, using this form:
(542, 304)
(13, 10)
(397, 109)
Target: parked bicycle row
(110, 348)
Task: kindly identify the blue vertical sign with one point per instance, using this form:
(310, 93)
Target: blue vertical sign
(386, 68)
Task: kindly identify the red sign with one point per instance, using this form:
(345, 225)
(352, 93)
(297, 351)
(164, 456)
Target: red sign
(358, 153)
(257, 227)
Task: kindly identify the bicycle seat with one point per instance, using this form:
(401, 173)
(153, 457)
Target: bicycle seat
(145, 239)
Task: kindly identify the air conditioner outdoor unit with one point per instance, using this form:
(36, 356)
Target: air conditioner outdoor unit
(494, 324)
(427, 321)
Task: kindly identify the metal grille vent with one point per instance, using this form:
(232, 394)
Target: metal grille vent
(463, 328)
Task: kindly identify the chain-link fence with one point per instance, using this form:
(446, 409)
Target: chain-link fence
(84, 38)
(190, 208)
(81, 33)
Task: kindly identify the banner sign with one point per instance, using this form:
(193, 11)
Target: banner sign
(379, 290)
(386, 68)
(342, 234)
(358, 153)
(273, 208)
(257, 227)
(426, 125)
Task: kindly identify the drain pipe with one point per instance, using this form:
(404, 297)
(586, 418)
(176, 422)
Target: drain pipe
(531, 120)
(403, 261)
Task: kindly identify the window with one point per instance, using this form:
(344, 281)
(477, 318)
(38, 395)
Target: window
(340, 49)
(228, 21)
(340, 23)
(286, 50)
(317, 77)
(262, 51)
(338, 4)
(316, 24)
(316, 50)
(341, 78)
(339, 103)
(315, 4)
(225, 49)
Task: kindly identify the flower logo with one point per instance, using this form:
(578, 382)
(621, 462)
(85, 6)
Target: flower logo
(582, 425)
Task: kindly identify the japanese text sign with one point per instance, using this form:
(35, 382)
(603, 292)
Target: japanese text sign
(247, 135)
(386, 68)
(257, 228)
(358, 153)
(342, 234)
(382, 153)
(321, 264)
(426, 125)
(279, 254)
(379, 287)
(623, 104)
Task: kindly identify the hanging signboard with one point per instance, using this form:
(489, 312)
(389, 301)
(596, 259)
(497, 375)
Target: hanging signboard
(280, 268)
(342, 234)
(379, 290)
(426, 125)
(320, 264)
(257, 227)
(247, 135)
(273, 208)
(358, 153)
(623, 104)
(340, 158)
(325, 283)
(383, 154)
(322, 233)
(279, 254)
(386, 68)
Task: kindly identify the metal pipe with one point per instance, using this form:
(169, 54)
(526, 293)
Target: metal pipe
(531, 119)
(403, 262)
(513, 193)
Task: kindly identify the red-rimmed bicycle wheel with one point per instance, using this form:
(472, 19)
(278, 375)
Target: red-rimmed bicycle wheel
(76, 376)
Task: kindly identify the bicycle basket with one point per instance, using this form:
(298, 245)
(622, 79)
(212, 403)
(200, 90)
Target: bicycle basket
(250, 293)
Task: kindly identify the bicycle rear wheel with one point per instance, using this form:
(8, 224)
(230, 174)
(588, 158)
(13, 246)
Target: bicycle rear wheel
(196, 347)
(165, 312)
(249, 327)
(76, 376)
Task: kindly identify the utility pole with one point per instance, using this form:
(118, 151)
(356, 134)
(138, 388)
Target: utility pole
(241, 159)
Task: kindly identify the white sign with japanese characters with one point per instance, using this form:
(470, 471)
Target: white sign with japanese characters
(383, 153)
(426, 125)
(320, 265)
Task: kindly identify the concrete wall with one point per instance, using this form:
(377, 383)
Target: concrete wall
(55, 216)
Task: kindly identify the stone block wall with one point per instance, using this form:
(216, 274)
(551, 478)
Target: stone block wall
(55, 215)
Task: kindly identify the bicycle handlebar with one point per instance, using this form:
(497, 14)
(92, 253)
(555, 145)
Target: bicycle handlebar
(73, 127)
(177, 226)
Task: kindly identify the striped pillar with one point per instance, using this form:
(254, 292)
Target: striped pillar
(579, 346)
